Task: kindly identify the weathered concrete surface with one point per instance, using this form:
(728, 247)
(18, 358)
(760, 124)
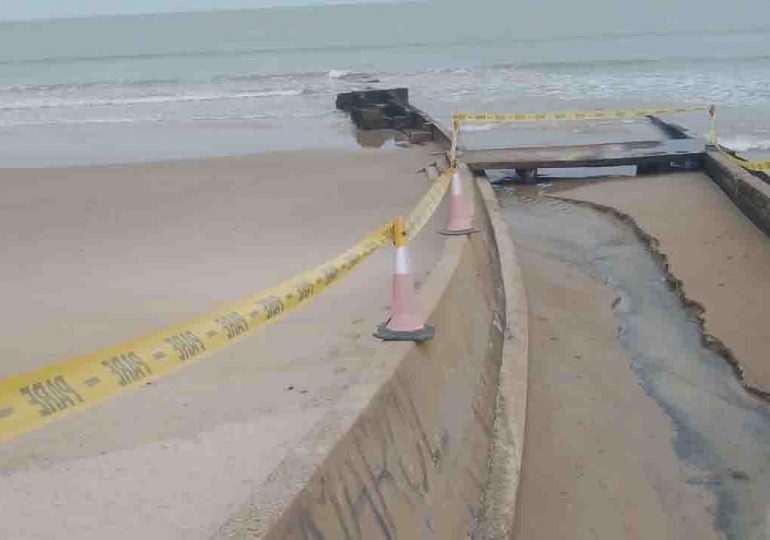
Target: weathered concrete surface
(748, 192)
(598, 457)
(499, 505)
(720, 257)
(637, 427)
(642, 153)
(406, 453)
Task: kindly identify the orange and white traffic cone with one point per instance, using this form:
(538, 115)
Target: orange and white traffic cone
(405, 322)
(460, 209)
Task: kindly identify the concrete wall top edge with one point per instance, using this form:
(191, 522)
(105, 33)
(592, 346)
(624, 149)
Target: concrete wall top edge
(413, 438)
(750, 194)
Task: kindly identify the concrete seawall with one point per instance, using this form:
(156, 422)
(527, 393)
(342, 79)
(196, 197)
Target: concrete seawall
(408, 453)
(747, 192)
(500, 497)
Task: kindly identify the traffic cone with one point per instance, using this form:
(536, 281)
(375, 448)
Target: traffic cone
(405, 322)
(460, 208)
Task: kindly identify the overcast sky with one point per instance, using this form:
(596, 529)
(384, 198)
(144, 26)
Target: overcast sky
(36, 9)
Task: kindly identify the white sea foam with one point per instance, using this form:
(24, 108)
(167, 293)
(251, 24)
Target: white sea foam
(85, 121)
(48, 103)
(107, 120)
(745, 143)
(344, 74)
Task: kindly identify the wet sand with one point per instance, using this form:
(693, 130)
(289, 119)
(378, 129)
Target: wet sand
(634, 429)
(722, 259)
(97, 255)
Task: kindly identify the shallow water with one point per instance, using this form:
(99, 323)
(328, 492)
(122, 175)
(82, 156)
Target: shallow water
(179, 85)
(722, 433)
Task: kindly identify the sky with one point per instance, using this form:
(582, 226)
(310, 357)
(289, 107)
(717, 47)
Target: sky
(11, 10)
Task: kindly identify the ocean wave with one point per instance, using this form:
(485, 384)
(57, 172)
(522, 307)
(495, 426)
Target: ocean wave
(599, 64)
(79, 122)
(68, 87)
(439, 43)
(221, 53)
(248, 51)
(51, 103)
(159, 55)
(109, 84)
(344, 74)
(745, 143)
(283, 116)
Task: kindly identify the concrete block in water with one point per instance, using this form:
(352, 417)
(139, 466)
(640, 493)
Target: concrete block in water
(418, 137)
(371, 118)
(401, 121)
(350, 100)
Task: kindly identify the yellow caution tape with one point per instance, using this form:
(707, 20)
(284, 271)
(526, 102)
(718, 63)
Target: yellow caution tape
(34, 399)
(461, 118)
(756, 166)
(424, 209)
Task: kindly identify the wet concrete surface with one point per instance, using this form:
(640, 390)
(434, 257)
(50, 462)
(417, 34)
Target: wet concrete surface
(721, 434)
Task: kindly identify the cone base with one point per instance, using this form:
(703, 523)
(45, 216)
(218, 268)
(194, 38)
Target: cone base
(460, 232)
(425, 333)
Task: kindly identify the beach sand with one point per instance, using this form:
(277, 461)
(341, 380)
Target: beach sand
(92, 256)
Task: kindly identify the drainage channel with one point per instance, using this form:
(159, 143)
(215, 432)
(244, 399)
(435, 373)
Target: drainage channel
(721, 433)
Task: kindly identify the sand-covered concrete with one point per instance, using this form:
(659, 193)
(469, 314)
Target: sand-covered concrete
(96, 255)
(722, 259)
(636, 425)
(598, 460)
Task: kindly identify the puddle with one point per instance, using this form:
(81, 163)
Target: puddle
(380, 138)
(722, 433)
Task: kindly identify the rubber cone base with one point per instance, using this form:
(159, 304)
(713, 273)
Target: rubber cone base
(425, 333)
(461, 232)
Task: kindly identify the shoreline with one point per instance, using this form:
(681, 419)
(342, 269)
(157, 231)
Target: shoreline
(389, 144)
(110, 144)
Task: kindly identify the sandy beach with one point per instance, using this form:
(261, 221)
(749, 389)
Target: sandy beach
(97, 255)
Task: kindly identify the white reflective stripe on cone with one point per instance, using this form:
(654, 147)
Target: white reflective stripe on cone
(457, 186)
(402, 261)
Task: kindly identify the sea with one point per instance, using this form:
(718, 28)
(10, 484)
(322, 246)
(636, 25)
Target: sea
(111, 90)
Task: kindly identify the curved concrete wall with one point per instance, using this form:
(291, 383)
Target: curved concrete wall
(499, 508)
(407, 453)
(747, 192)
